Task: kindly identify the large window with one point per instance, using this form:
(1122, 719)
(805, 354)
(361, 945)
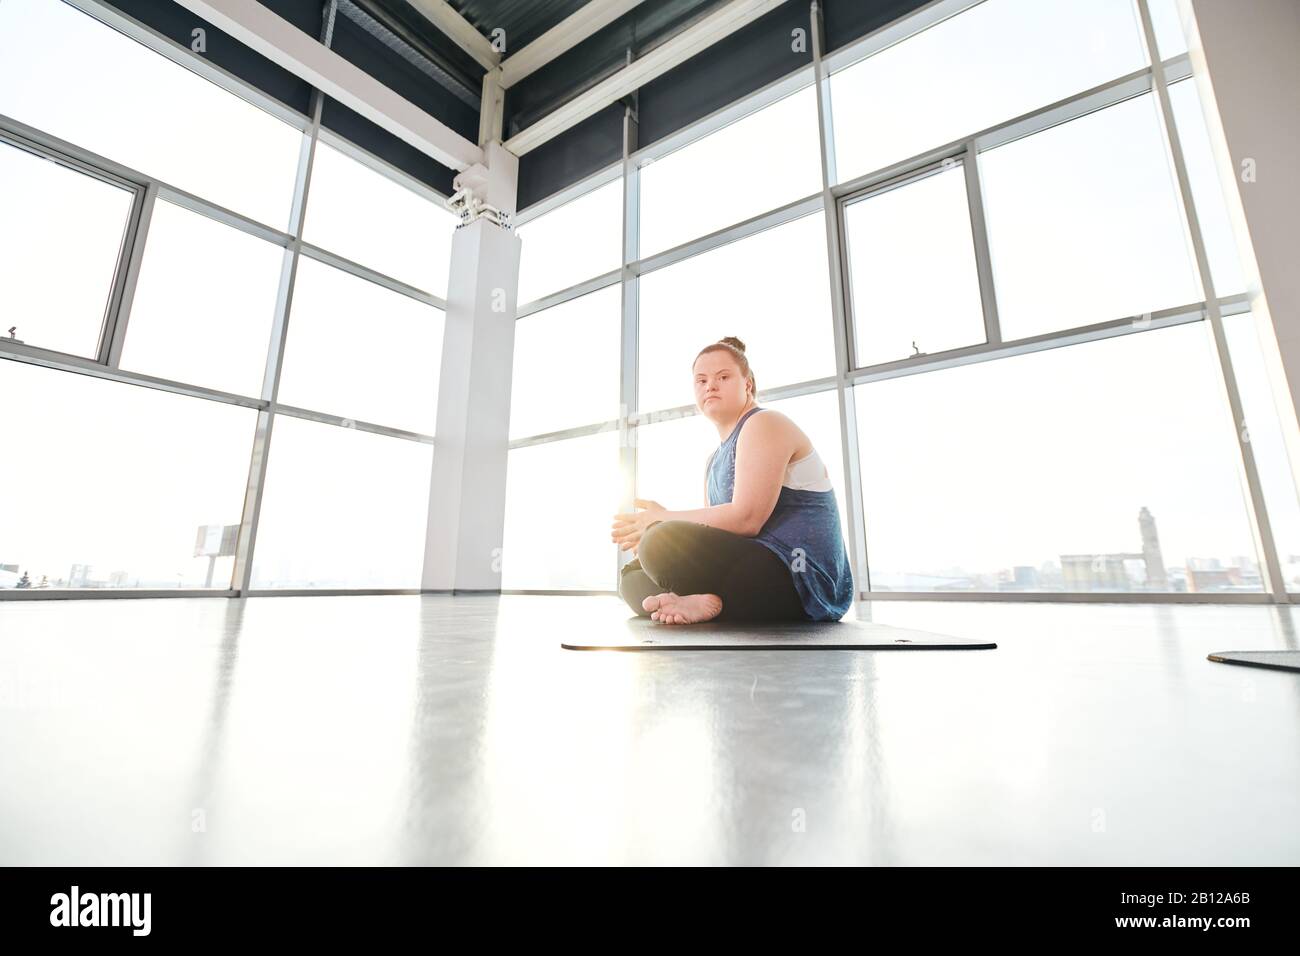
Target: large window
(912, 270)
(763, 161)
(990, 63)
(67, 74)
(561, 498)
(115, 485)
(108, 485)
(343, 508)
(566, 365)
(1106, 466)
(367, 217)
(769, 289)
(1085, 223)
(359, 350)
(61, 235)
(204, 303)
(579, 240)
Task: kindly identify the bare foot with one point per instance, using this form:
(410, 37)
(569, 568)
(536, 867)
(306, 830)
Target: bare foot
(670, 608)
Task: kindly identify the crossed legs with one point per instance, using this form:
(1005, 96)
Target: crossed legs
(686, 573)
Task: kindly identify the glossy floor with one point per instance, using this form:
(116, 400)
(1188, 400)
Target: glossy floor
(438, 729)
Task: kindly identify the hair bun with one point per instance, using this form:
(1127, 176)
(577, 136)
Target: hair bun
(733, 342)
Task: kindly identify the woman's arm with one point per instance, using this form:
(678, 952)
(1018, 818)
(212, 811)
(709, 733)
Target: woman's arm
(728, 517)
(764, 448)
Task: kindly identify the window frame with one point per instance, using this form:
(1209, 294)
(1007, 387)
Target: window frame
(126, 265)
(115, 325)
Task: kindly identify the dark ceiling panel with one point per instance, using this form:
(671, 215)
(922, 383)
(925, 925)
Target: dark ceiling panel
(400, 48)
(363, 48)
(734, 67)
(523, 20)
(586, 148)
(429, 36)
(847, 20)
(603, 53)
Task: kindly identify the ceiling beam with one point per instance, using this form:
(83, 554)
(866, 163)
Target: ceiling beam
(660, 60)
(562, 37)
(461, 32)
(281, 42)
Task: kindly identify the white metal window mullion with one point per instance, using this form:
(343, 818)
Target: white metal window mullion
(110, 352)
(980, 237)
(841, 320)
(630, 317)
(246, 544)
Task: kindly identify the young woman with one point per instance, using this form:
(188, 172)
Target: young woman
(768, 547)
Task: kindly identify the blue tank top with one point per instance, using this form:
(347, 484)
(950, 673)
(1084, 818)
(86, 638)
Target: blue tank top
(803, 531)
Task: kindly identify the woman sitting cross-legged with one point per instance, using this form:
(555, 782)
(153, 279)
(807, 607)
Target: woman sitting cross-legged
(768, 547)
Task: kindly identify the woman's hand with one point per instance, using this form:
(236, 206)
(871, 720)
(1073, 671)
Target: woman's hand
(628, 528)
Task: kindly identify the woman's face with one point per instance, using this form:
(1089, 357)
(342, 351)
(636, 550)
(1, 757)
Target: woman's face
(721, 389)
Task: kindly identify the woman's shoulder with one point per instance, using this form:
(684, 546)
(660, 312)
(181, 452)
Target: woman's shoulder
(772, 414)
(772, 422)
(768, 427)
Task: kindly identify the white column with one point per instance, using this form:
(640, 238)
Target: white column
(467, 491)
(1246, 65)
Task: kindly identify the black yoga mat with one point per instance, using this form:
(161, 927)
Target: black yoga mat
(1277, 660)
(643, 634)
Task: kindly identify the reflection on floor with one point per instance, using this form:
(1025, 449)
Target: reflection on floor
(438, 729)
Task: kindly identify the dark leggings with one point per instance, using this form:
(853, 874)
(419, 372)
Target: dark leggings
(689, 558)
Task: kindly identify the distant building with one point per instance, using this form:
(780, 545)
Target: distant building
(1109, 572)
(1022, 577)
(1247, 564)
(1097, 572)
(1157, 580)
(1216, 579)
